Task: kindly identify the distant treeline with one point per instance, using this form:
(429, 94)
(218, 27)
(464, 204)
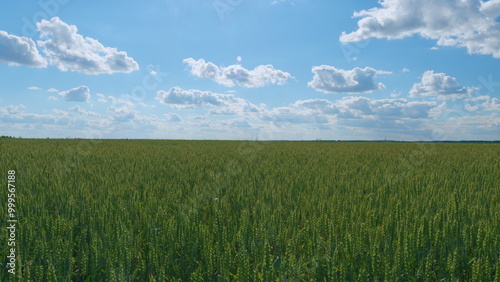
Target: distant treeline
(317, 140)
(436, 141)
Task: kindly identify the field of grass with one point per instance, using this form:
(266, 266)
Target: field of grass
(138, 210)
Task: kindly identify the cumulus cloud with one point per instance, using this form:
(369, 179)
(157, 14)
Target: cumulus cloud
(68, 50)
(237, 75)
(441, 85)
(19, 50)
(329, 79)
(179, 98)
(34, 88)
(78, 94)
(467, 23)
(190, 98)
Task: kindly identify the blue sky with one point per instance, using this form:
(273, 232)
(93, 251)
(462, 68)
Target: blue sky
(241, 69)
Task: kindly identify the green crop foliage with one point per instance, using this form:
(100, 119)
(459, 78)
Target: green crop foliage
(156, 210)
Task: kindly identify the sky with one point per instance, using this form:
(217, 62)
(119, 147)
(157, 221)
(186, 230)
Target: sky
(251, 69)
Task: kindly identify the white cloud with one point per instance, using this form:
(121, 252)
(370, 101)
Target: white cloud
(441, 85)
(466, 23)
(172, 117)
(292, 115)
(60, 112)
(492, 104)
(120, 122)
(54, 98)
(34, 88)
(279, 1)
(190, 98)
(351, 117)
(359, 107)
(465, 127)
(199, 117)
(237, 75)
(79, 110)
(405, 70)
(102, 98)
(12, 110)
(351, 110)
(322, 106)
(274, 2)
(78, 94)
(52, 90)
(19, 50)
(359, 112)
(68, 50)
(329, 79)
(485, 103)
(16, 114)
(240, 123)
(225, 104)
(438, 111)
(122, 111)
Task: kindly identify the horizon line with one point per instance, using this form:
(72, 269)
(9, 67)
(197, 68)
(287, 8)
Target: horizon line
(266, 140)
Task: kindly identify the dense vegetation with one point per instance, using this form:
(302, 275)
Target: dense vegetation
(138, 210)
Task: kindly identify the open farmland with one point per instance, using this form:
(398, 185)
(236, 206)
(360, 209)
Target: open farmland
(139, 210)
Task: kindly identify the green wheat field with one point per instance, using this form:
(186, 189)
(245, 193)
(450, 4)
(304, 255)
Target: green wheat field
(157, 210)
